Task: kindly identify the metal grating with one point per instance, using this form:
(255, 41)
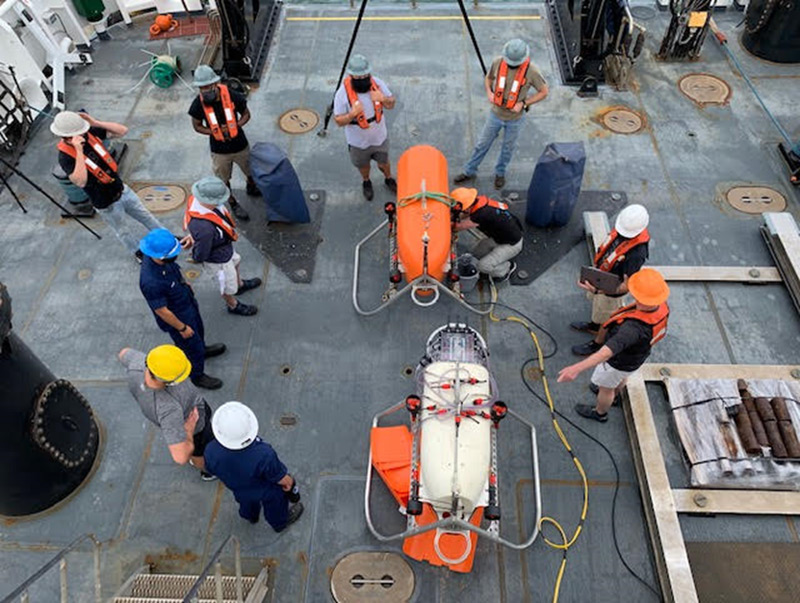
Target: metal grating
(169, 586)
(705, 89)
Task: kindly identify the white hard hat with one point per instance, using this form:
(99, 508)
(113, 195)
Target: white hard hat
(632, 220)
(234, 425)
(68, 123)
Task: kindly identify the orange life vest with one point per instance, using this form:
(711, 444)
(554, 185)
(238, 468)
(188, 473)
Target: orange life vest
(195, 210)
(484, 201)
(656, 319)
(230, 115)
(516, 85)
(352, 97)
(605, 261)
(97, 146)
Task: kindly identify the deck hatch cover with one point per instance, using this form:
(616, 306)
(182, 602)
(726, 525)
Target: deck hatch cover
(705, 89)
(623, 121)
(755, 199)
(298, 121)
(372, 576)
(160, 198)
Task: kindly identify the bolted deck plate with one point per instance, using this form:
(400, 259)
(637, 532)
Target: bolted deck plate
(755, 199)
(621, 120)
(298, 121)
(705, 89)
(160, 198)
(372, 576)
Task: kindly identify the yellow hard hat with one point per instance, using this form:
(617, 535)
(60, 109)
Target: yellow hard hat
(465, 196)
(648, 287)
(169, 364)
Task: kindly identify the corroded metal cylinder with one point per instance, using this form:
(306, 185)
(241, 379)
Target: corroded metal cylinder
(48, 434)
(772, 30)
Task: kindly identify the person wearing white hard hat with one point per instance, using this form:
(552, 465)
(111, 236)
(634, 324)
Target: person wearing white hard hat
(508, 85)
(221, 113)
(358, 108)
(85, 159)
(251, 469)
(623, 254)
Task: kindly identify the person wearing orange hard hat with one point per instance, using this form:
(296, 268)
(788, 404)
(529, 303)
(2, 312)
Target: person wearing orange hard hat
(631, 333)
(493, 219)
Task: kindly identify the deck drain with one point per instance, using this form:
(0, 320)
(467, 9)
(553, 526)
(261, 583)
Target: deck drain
(288, 420)
(286, 370)
(622, 121)
(298, 121)
(408, 371)
(755, 199)
(159, 198)
(705, 89)
(371, 576)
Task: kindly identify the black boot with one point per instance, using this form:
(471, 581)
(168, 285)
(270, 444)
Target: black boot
(586, 327)
(207, 382)
(586, 349)
(252, 189)
(238, 211)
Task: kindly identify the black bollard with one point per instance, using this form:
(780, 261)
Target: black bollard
(48, 434)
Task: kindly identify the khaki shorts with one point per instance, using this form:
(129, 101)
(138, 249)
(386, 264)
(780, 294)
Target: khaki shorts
(225, 274)
(362, 157)
(604, 306)
(223, 164)
(605, 375)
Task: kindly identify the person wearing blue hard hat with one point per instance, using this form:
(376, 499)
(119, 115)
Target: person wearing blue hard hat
(507, 85)
(173, 303)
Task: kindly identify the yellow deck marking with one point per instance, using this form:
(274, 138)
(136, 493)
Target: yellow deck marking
(432, 18)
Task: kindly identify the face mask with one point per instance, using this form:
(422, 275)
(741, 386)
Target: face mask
(209, 96)
(361, 85)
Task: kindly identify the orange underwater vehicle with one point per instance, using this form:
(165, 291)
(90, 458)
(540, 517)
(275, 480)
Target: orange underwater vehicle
(422, 234)
(443, 471)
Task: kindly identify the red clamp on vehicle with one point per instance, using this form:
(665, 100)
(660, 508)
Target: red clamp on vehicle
(499, 411)
(477, 401)
(390, 208)
(413, 405)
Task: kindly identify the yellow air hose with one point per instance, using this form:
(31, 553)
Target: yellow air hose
(565, 543)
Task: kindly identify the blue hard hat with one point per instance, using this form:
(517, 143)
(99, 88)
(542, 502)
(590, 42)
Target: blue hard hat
(160, 244)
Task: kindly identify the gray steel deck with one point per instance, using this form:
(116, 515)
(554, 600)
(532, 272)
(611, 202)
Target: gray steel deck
(76, 303)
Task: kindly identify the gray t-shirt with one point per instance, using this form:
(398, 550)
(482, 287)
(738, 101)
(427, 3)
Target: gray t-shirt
(532, 78)
(355, 135)
(169, 407)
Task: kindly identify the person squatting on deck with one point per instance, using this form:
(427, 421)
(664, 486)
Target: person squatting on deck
(158, 383)
(85, 159)
(358, 107)
(623, 253)
(494, 220)
(221, 113)
(251, 469)
(631, 333)
(507, 84)
(173, 303)
(213, 230)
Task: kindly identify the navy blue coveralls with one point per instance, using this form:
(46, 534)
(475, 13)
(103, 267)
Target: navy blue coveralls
(252, 474)
(163, 286)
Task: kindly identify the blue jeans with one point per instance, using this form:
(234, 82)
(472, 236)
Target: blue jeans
(490, 131)
(129, 203)
(194, 347)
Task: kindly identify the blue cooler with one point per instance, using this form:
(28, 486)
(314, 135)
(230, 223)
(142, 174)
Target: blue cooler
(555, 184)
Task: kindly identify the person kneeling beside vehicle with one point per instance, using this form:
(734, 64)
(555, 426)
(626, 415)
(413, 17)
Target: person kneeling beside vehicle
(494, 220)
(213, 229)
(631, 333)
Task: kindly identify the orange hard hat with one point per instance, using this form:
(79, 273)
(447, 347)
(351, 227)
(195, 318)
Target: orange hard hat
(648, 287)
(465, 196)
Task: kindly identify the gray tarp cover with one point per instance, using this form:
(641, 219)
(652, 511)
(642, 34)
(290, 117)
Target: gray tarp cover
(278, 183)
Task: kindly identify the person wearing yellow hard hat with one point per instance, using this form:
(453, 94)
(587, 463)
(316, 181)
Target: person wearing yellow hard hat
(631, 333)
(622, 254)
(159, 383)
(493, 219)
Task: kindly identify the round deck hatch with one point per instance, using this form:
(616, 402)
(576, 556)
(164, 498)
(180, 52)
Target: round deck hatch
(755, 199)
(623, 121)
(160, 198)
(372, 576)
(705, 89)
(298, 121)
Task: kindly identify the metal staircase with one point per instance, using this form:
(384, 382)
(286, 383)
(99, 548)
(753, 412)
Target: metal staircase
(145, 587)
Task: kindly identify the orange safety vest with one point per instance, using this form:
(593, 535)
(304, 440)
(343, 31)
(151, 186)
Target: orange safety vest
(516, 85)
(484, 201)
(656, 319)
(225, 222)
(230, 115)
(97, 146)
(605, 261)
(352, 97)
